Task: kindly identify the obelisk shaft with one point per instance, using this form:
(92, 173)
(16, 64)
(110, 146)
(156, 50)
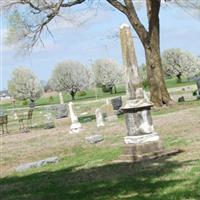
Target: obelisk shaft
(133, 81)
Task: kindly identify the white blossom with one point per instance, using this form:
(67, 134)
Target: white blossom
(107, 71)
(70, 76)
(180, 63)
(24, 85)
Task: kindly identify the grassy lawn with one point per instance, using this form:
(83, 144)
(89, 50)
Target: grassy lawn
(86, 172)
(171, 83)
(90, 95)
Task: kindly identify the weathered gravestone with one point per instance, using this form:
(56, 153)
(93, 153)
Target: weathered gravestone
(61, 111)
(117, 104)
(48, 119)
(108, 112)
(94, 139)
(181, 99)
(99, 118)
(61, 98)
(76, 125)
(39, 163)
(198, 88)
(142, 142)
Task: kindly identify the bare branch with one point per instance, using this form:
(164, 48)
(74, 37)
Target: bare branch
(118, 5)
(135, 21)
(72, 3)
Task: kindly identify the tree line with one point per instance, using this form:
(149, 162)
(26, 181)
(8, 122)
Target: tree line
(68, 76)
(72, 76)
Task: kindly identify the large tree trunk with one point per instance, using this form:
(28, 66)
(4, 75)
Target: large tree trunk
(158, 91)
(151, 43)
(155, 75)
(179, 79)
(73, 95)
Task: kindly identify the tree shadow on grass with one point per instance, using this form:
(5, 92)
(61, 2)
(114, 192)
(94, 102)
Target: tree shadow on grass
(113, 181)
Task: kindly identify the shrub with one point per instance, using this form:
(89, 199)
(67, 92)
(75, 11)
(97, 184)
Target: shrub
(25, 102)
(82, 93)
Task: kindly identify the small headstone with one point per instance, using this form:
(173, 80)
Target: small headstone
(36, 164)
(76, 125)
(181, 99)
(107, 101)
(61, 98)
(109, 112)
(94, 139)
(61, 111)
(84, 113)
(15, 116)
(48, 119)
(99, 118)
(116, 103)
(32, 105)
(111, 118)
(198, 88)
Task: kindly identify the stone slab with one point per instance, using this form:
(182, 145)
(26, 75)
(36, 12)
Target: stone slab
(139, 139)
(94, 139)
(36, 164)
(111, 118)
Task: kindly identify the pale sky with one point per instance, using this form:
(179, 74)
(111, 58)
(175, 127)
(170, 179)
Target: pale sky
(89, 41)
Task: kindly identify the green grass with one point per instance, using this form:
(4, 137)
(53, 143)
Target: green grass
(87, 176)
(171, 83)
(176, 107)
(86, 172)
(90, 95)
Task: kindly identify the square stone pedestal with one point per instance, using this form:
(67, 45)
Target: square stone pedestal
(142, 151)
(144, 147)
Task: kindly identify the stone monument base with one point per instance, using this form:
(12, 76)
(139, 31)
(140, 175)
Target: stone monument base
(140, 139)
(75, 128)
(143, 148)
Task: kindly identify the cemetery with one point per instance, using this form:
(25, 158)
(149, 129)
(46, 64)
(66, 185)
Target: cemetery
(105, 131)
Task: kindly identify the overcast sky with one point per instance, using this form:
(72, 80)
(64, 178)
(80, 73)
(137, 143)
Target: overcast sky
(90, 40)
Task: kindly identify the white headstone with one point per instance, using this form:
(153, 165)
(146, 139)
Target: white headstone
(76, 125)
(99, 117)
(107, 101)
(61, 98)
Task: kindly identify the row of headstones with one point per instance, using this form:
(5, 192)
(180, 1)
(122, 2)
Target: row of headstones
(108, 111)
(197, 92)
(111, 111)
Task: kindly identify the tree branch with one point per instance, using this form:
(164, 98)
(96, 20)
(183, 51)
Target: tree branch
(72, 3)
(118, 5)
(135, 21)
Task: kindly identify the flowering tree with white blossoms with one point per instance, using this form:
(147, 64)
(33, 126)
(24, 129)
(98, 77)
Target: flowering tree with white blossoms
(180, 63)
(107, 73)
(25, 85)
(70, 76)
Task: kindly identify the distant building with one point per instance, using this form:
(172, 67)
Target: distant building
(4, 95)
